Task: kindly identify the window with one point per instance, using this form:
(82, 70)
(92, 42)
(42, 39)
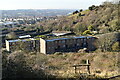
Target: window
(49, 47)
(63, 45)
(63, 41)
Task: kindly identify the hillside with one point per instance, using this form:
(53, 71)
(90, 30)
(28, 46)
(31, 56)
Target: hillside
(58, 65)
(99, 21)
(103, 19)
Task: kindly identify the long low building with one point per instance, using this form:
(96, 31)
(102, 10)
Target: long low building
(30, 44)
(49, 46)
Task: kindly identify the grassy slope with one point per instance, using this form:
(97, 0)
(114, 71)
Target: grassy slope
(102, 18)
(102, 64)
(59, 64)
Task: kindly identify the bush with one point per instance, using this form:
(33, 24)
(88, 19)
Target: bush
(106, 41)
(58, 53)
(12, 35)
(83, 61)
(116, 46)
(87, 32)
(92, 7)
(79, 27)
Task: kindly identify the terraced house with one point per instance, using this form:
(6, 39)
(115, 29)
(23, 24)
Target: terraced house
(49, 46)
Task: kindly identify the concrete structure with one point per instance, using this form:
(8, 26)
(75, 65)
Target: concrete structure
(61, 33)
(49, 46)
(23, 44)
(25, 36)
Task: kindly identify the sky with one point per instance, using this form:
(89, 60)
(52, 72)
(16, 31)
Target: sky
(48, 4)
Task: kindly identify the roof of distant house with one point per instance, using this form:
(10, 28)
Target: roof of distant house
(17, 40)
(54, 39)
(25, 36)
(61, 33)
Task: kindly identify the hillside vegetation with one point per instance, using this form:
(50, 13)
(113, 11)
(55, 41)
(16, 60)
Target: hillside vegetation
(103, 19)
(36, 65)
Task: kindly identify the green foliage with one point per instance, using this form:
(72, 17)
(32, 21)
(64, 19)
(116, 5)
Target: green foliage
(79, 28)
(81, 10)
(92, 7)
(102, 18)
(41, 36)
(18, 65)
(79, 14)
(83, 61)
(75, 12)
(116, 46)
(117, 25)
(90, 28)
(114, 25)
(87, 32)
(58, 53)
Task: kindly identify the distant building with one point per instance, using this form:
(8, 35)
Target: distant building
(49, 46)
(25, 36)
(26, 44)
(61, 33)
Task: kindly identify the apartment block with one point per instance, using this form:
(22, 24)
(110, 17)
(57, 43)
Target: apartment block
(30, 44)
(49, 46)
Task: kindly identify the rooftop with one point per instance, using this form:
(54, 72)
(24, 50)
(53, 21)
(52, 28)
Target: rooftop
(30, 39)
(61, 33)
(51, 39)
(61, 38)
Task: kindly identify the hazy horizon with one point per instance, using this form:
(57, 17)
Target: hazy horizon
(49, 4)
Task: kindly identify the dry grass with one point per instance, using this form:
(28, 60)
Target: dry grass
(102, 64)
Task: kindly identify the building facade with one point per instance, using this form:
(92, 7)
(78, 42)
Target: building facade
(49, 46)
(66, 44)
(23, 44)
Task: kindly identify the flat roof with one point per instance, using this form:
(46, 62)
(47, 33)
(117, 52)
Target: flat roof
(69, 38)
(30, 39)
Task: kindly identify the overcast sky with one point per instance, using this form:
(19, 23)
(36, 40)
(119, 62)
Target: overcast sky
(48, 4)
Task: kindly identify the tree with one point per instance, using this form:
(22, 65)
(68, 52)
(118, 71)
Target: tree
(105, 42)
(92, 7)
(20, 65)
(81, 10)
(76, 12)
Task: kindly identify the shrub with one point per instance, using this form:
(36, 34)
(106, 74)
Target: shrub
(76, 12)
(58, 53)
(116, 46)
(87, 32)
(79, 27)
(12, 35)
(92, 7)
(105, 41)
(83, 61)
